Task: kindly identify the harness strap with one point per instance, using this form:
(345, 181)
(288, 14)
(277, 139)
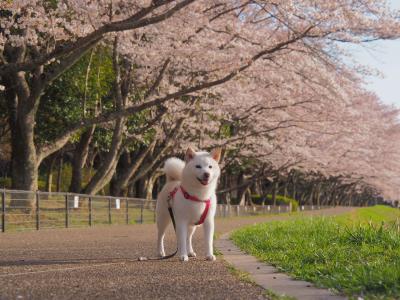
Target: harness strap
(173, 192)
(192, 198)
(204, 214)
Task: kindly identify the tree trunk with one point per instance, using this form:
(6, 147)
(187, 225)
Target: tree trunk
(24, 167)
(294, 181)
(59, 171)
(123, 162)
(302, 198)
(21, 110)
(49, 177)
(274, 191)
(140, 191)
(122, 182)
(318, 196)
(241, 197)
(121, 91)
(149, 188)
(105, 172)
(285, 189)
(23, 159)
(79, 159)
(310, 198)
(247, 196)
(241, 191)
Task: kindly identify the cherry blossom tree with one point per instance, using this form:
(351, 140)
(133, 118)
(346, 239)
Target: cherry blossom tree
(226, 53)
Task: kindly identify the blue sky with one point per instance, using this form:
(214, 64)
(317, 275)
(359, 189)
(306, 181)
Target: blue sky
(384, 56)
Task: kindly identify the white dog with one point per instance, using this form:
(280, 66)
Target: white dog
(190, 191)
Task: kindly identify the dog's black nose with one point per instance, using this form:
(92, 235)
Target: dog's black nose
(206, 175)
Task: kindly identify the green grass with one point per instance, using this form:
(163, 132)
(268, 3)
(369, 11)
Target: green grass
(357, 254)
(374, 214)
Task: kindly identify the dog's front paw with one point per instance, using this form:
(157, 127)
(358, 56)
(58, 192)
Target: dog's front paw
(184, 258)
(210, 257)
(192, 254)
(161, 254)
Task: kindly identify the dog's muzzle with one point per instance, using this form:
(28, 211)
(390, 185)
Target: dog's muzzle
(205, 179)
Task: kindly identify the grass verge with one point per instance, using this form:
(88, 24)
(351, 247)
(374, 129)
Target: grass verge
(357, 253)
(242, 276)
(270, 294)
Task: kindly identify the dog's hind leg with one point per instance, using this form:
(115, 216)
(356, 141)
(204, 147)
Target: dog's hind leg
(191, 253)
(163, 220)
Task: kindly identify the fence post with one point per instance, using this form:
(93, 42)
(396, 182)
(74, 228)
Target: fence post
(37, 210)
(109, 211)
(3, 211)
(126, 211)
(66, 211)
(90, 211)
(141, 212)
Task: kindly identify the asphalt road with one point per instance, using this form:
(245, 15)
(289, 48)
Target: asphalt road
(101, 263)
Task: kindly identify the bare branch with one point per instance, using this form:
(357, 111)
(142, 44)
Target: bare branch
(158, 80)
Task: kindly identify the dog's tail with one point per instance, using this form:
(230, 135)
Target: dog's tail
(173, 168)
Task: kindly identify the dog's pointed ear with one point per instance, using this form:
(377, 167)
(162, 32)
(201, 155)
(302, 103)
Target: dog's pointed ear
(216, 154)
(190, 153)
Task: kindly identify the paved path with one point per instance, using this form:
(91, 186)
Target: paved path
(101, 263)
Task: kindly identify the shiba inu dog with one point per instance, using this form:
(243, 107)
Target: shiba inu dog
(190, 192)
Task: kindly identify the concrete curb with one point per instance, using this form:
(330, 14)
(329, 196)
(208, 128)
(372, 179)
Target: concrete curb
(269, 277)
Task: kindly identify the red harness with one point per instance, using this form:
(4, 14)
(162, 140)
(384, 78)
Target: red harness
(193, 198)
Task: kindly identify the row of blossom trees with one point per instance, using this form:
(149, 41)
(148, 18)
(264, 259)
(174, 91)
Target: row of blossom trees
(114, 87)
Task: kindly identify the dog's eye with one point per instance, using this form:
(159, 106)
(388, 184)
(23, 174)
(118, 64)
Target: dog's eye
(198, 166)
(210, 167)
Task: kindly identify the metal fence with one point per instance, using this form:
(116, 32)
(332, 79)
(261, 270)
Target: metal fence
(226, 211)
(23, 210)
